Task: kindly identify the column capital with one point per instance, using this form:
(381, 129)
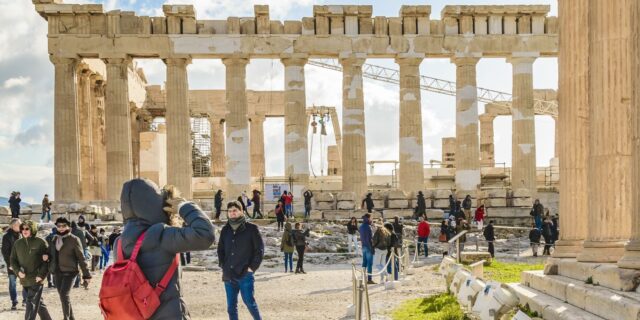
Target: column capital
(294, 61)
(409, 61)
(521, 59)
(257, 117)
(56, 60)
(487, 117)
(465, 60)
(123, 60)
(177, 61)
(235, 61)
(352, 61)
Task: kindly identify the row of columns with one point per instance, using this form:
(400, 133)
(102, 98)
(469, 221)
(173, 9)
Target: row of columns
(599, 127)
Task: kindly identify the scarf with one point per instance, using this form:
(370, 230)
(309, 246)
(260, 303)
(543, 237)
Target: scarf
(236, 223)
(59, 237)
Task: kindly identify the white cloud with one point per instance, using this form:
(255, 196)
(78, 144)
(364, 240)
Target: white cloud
(16, 82)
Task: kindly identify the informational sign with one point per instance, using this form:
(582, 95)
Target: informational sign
(273, 191)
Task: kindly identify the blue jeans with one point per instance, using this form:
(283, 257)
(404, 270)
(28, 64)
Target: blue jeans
(104, 258)
(538, 221)
(367, 260)
(288, 258)
(47, 214)
(289, 210)
(396, 262)
(307, 211)
(424, 245)
(244, 286)
(13, 293)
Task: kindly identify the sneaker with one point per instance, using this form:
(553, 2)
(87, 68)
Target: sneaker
(14, 306)
(302, 271)
(370, 282)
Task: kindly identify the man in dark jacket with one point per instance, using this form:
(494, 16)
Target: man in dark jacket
(14, 204)
(547, 234)
(48, 239)
(65, 254)
(146, 208)
(217, 203)
(452, 205)
(28, 257)
(421, 207)
(537, 212)
(366, 238)
(534, 239)
(489, 235)
(466, 207)
(307, 203)
(256, 205)
(368, 203)
(398, 228)
(240, 253)
(8, 240)
(300, 241)
(82, 236)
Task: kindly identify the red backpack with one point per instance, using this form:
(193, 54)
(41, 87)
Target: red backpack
(126, 294)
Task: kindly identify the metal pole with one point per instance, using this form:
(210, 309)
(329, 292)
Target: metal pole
(393, 266)
(366, 301)
(458, 250)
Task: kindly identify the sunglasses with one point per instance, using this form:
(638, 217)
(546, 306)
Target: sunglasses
(26, 228)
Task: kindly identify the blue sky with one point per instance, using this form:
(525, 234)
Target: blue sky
(26, 89)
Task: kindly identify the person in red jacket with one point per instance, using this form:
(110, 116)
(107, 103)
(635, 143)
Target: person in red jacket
(423, 235)
(479, 217)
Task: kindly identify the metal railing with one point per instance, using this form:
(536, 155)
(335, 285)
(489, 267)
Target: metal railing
(456, 238)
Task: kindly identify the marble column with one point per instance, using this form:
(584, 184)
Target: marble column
(572, 126)
(65, 123)
(178, 122)
(631, 258)
(118, 127)
(98, 135)
(257, 146)
(411, 170)
(296, 147)
(354, 156)
(487, 154)
(610, 163)
(523, 143)
(238, 163)
(217, 147)
(556, 147)
(85, 114)
(467, 140)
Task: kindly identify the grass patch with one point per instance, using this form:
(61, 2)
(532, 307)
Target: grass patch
(507, 272)
(439, 307)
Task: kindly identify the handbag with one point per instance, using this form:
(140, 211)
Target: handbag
(442, 237)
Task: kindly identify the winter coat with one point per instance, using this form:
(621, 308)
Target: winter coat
(466, 203)
(14, 203)
(366, 238)
(421, 207)
(398, 228)
(534, 235)
(479, 216)
(546, 232)
(46, 204)
(352, 229)
(488, 233)
(142, 209)
(380, 240)
(287, 245)
(279, 213)
(81, 234)
(307, 197)
(393, 243)
(288, 199)
(300, 237)
(8, 240)
(218, 200)
(256, 199)
(537, 210)
(68, 258)
(424, 229)
(239, 250)
(367, 203)
(112, 239)
(554, 229)
(452, 204)
(26, 256)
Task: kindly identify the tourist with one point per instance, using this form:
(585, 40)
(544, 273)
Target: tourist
(49, 240)
(217, 203)
(444, 230)
(458, 213)
(287, 246)
(300, 240)
(366, 239)
(46, 209)
(479, 217)
(28, 256)
(421, 207)
(156, 216)
(352, 235)
(240, 252)
(8, 240)
(554, 229)
(95, 241)
(280, 215)
(307, 203)
(392, 244)
(104, 243)
(256, 204)
(452, 205)
(381, 238)
(489, 235)
(398, 228)
(466, 207)
(65, 254)
(83, 236)
(288, 204)
(244, 207)
(461, 226)
(82, 223)
(14, 204)
(537, 212)
(534, 239)
(246, 201)
(367, 202)
(423, 235)
(112, 239)
(547, 234)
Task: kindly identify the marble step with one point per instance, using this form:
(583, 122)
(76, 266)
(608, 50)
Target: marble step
(598, 300)
(602, 274)
(548, 307)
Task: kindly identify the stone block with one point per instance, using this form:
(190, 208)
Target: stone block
(337, 24)
(611, 276)
(365, 25)
(322, 205)
(450, 25)
(378, 204)
(409, 25)
(398, 204)
(509, 24)
(346, 205)
(25, 210)
(346, 196)
(189, 25)
(495, 24)
(524, 25)
(322, 25)
(435, 214)
(315, 215)
(389, 214)
(436, 27)
(76, 207)
(336, 215)
(233, 25)
(247, 26)
(496, 193)
(60, 207)
(397, 195)
(522, 202)
(395, 26)
(424, 25)
(496, 202)
(441, 203)
(158, 25)
(5, 211)
(521, 193)
(277, 27)
(308, 26)
(380, 26)
(292, 27)
(468, 257)
(442, 194)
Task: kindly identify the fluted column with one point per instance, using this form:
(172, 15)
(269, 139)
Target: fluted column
(85, 114)
(118, 127)
(237, 125)
(217, 147)
(257, 146)
(411, 171)
(354, 156)
(631, 258)
(487, 154)
(609, 166)
(179, 167)
(65, 122)
(523, 143)
(572, 126)
(296, 160)
(99, 148)
(467, 140)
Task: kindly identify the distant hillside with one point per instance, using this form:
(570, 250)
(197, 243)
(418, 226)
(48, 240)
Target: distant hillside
(4, 202)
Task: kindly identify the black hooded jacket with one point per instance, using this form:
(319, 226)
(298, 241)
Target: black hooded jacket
(142, 204)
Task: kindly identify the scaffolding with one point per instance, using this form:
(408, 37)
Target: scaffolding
(200, 147)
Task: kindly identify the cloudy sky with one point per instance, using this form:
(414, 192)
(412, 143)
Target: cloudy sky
(26, 89)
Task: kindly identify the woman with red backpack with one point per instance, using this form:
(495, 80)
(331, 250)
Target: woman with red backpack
(158, 226)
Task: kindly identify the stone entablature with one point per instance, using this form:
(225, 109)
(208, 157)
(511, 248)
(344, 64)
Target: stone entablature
(334, 30)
